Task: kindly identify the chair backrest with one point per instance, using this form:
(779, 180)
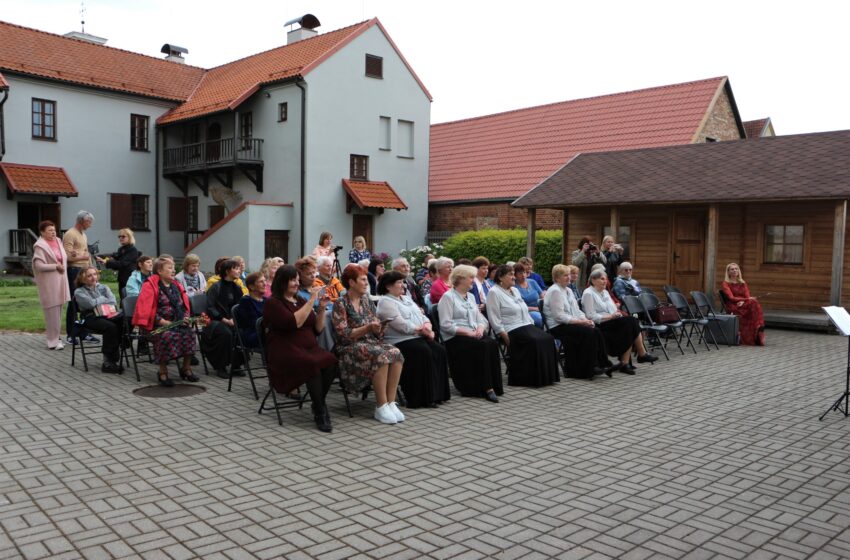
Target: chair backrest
(633, 305)
(723, 299)
(649, 300)
(645, 290)
(678, 301)
(128, 304)
(434, 317)
(702, 304)
(261, 338)
(198, 304)
(542, 313)
(668, 288)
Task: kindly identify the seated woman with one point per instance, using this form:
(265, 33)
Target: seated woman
(215, 278)
(608, 286)
(530, 292)
(425, 374)
(621, 331)
(625, 285)
(191, 277)
(250, 309)
(364, 357)
(480, 288)
(359, 252)
(474, 361)
(738, 301)
(326, 279)
(144, 268)
(292, 353)
(583, 343)
(218, 335)
(440, 285)
(534, 360)
(306, 268)
(268, 270)
(163, 301)
(376, 270)
(92, 299)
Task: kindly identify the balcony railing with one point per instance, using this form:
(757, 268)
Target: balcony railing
(213, 154)
(21, 241)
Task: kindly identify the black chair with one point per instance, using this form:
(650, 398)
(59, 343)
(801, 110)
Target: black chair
(246, 351)
(198, 305)
(276, 406)
(704, 309)
(78, 341)
(651, 303)
(434, 317)
(697, 324)
(652, 333)
(131, 334)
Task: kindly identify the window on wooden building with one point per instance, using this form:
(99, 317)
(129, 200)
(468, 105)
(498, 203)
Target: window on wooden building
(624, 238)
(139, 132)
(359, 167)
(43, 119)
(783, 244)
(374, 66)
(128, 210)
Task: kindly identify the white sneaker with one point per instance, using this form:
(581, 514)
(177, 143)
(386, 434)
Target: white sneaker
(399, 417)
(59, 346)
(384, 415)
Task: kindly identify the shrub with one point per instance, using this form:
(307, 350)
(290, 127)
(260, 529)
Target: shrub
(501, 246)
(416, 255)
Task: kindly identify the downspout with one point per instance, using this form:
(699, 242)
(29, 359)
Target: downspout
(156, 189)
(2, 125)
(303, 143)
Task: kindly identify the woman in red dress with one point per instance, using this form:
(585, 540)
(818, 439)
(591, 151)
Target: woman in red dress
(738, 301)
(292, 353)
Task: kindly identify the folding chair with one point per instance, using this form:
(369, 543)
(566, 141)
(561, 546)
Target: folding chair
(651, 331)
(698, 324)
(198, 305)
(434, 317)
(78, 341)
(651, 303)
(276, 406)
(704, 310)
(247, 353)
(130, 334)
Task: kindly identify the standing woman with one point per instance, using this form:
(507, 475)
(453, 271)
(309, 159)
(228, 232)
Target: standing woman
(123, 261)
(738, 301)
(292, 352)
(360, 251)
(425, 374)
(533, 358)
(163, 301)
(325, 247)
(621, 331)
(49, 262)
(363, 356)
(473, 357)
(613, 253)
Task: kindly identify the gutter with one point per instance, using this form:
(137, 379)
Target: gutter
(2, 125)
(156, 188)
(299, 83)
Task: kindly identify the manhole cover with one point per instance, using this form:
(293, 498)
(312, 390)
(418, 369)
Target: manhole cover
(160, 392)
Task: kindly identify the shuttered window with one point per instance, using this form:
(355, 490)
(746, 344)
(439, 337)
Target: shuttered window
(374, 66)
(359, 167)
(178, 214)
(128, 210)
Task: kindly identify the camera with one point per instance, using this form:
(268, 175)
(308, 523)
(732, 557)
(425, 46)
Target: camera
(591, 248)
(337, 248)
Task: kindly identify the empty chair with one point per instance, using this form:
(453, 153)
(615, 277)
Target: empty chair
(650, 303)
(689, 317)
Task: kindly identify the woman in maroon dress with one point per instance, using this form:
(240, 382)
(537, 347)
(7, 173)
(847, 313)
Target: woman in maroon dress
(738, 301)
(292, 353)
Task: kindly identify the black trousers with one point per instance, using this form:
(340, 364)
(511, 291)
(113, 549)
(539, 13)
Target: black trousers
(318, 387)
(110, 329)
(584, 347)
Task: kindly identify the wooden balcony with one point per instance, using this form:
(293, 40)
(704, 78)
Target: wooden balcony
(214, 159)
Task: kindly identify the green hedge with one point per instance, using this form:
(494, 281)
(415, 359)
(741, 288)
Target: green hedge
(507, 245)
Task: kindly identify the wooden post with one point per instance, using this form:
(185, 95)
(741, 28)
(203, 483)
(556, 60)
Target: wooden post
(532, 233)
(838, 252)
(565, 250)
(711, 248)
(615, 223)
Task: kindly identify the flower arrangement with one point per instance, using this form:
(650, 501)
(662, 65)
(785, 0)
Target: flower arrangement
(201, 320)
(416, 255)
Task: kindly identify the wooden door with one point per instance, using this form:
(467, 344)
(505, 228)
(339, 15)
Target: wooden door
(31, 214)
(216, 214)
(362, 225)
(213, 143)
(277, 244)
(688, 250)
(52, 211)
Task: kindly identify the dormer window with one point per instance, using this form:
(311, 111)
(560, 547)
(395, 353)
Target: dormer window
(374, 66)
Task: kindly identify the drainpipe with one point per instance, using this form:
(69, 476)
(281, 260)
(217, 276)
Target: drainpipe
(3, 126)
(299, 83)
(156, 190)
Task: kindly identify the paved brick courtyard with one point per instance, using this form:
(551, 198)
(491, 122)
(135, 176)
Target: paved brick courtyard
(718, 455)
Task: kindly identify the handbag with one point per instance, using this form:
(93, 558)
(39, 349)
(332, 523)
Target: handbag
(665, 313)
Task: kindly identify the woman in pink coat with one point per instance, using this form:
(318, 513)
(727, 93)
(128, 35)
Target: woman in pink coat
(48, 263)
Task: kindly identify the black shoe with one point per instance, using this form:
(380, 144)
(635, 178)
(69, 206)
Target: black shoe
(188, 375)
(237, 372)
(222, 373)
(111, 367)
(323, 420)
(194, 361)
(91, 339)
(627, 369)
(491, 396)
(165, 381)
(609, 371)
(647, 358)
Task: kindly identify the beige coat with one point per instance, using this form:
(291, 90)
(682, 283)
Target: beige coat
(52, 285)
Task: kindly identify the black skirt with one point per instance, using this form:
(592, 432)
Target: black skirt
(584, 348)
(425, 374)
(620, 334)
(475, 365)
(533, 357)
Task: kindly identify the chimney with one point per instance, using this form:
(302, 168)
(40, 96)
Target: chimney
(82, 36)
(175, 53)
(308, 24)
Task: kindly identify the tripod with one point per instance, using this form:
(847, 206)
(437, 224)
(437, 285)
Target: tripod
(336, 270)
(843, 407)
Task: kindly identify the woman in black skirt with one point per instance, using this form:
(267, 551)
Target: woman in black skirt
(621, 331)
(533, 353)
(473, 356)
(425, 374)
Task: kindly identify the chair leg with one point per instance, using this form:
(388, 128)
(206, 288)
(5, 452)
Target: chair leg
(83, 353)
(345, 396)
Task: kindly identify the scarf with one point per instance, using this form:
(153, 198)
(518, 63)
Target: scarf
(173, 295)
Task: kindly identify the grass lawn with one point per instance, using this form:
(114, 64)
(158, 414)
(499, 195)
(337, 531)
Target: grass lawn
(20, 309)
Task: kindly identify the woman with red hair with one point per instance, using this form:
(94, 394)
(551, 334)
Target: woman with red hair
(364, 357)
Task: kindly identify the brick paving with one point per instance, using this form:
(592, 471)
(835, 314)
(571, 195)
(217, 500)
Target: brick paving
(715, 455)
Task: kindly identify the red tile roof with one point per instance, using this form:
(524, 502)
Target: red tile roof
(504, 155)
(798, 167)
(755, 128)
(45, 55)
(371, 194)
(36, 179)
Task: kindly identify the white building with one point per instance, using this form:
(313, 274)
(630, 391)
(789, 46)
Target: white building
(256, 157)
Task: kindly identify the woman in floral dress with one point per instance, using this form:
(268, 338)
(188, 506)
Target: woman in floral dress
(738, 301)
(363, 357)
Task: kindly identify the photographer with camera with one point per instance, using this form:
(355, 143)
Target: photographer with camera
(325, 248)
(585, 257)
(613, 252)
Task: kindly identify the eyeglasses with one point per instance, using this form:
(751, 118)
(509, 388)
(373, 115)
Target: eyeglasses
(122, 237)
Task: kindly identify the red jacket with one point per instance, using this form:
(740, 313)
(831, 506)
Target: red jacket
(145, 313)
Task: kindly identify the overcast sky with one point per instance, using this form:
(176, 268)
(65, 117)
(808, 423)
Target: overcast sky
(785, 60)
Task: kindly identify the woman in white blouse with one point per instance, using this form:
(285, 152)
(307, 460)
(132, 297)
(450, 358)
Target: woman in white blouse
(534, 361)
(425, 373)
(584, 344)
(473, 357)
(621, 331)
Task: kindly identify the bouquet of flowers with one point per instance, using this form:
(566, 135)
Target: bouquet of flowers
(201, 320)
